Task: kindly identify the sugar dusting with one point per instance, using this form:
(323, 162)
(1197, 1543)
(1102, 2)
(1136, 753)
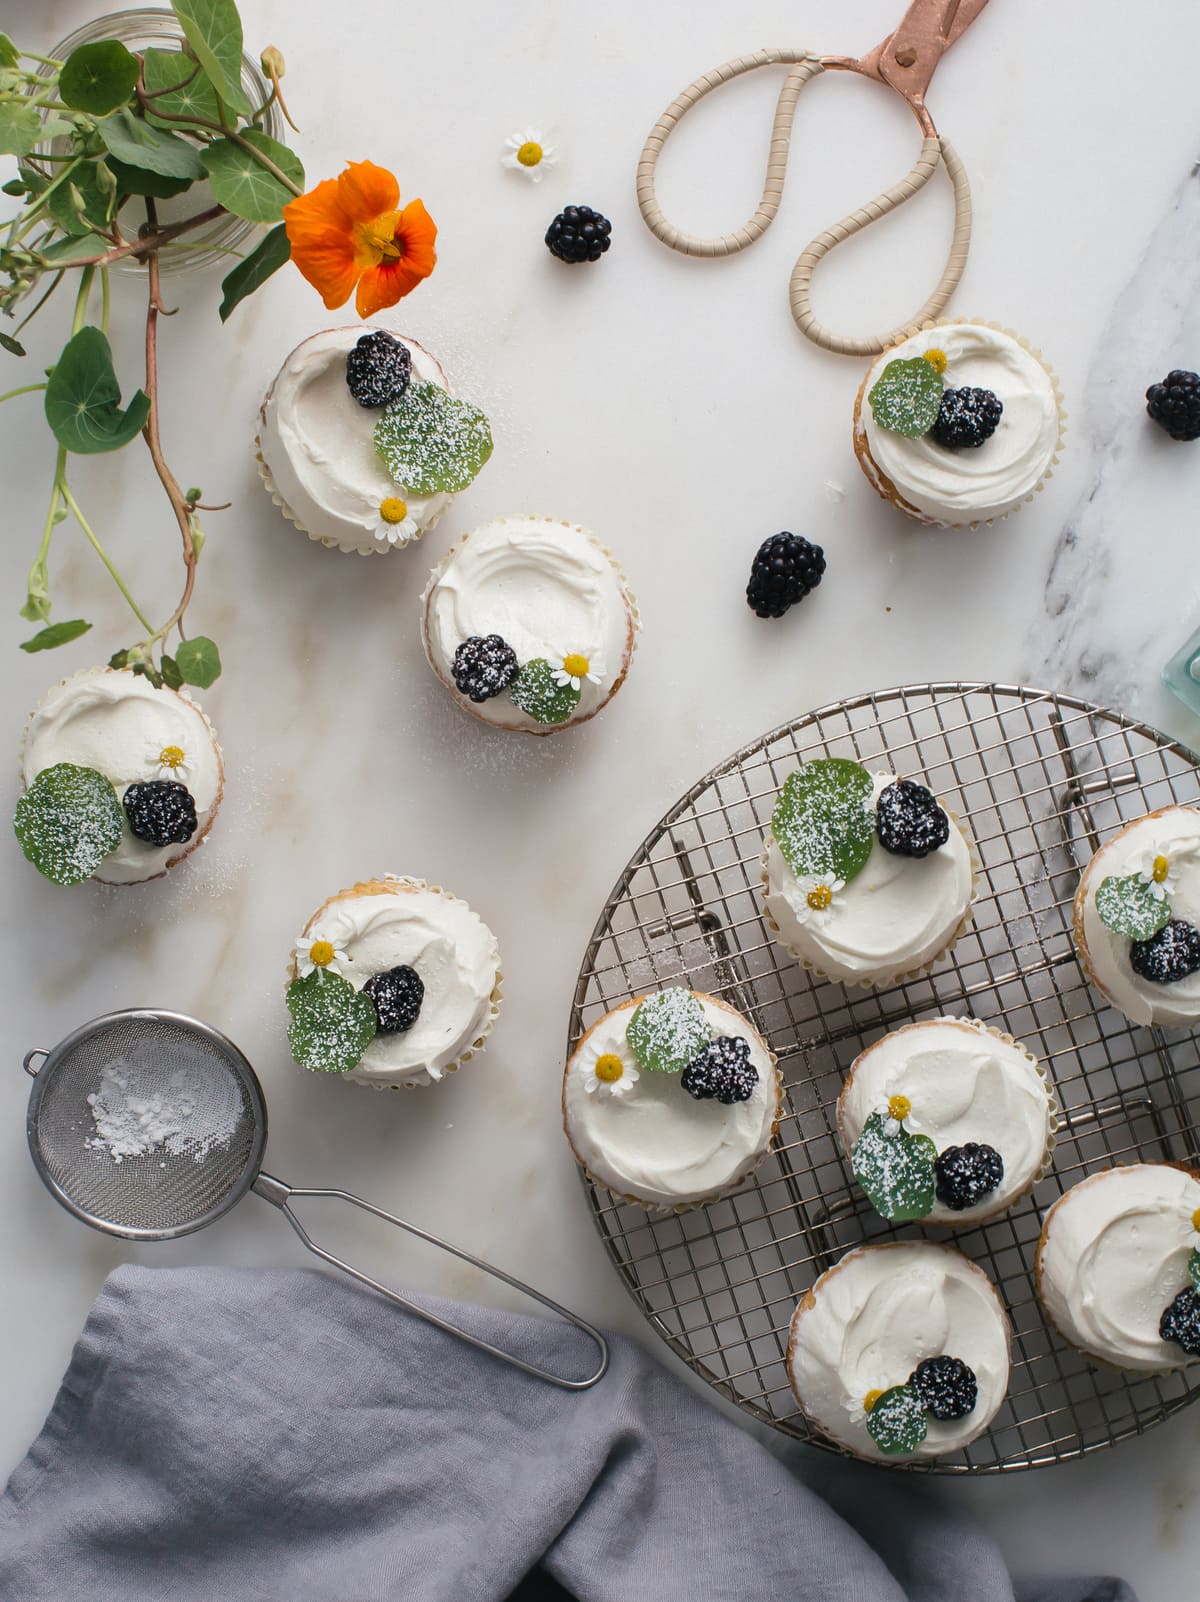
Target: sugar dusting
(142, 1107)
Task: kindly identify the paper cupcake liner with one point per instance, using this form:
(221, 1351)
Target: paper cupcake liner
(882, 484)
(386, 884)
(969, 1220)
(201, 833)
(537, 730)
(665, 1209)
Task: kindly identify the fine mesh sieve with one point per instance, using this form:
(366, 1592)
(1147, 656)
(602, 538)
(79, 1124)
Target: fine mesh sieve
(201, 1102)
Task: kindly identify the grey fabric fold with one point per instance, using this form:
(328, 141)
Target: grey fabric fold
(227, 1435)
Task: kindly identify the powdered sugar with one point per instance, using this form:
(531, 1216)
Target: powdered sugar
(142, 1107)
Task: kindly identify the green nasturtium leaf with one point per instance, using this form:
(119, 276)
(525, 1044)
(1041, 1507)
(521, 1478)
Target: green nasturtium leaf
(74, 249)
(20, 128)
(99, 77)
(822, 820)
(906, 397)
(667, 1030)
(83, 398)
(67, 822)
(432, 441)
(539, 697)
(57, 634)
(245, 187)
(897, 1172)
(897, 1423)
(1194, 1270)
(198, 661)
(139, 144)
(9, 54)
(141, 181)
(84, 202)
(1129, 907)
(331, 1023)
(180, 87)
(250, 274)
(213, 28)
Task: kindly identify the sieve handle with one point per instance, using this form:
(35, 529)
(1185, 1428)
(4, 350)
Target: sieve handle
(280, 1195)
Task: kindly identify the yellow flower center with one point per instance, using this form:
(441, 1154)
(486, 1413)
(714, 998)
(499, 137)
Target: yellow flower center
(1159, 870)
(171, 756)
(530, 153)
(393, 509)
(936, 360)
(609, 1068)
(374, 240)
(1196, 1220)
(870, 1399)
(899, 1108)
(576, 665)
(320, 953)
(819, 897)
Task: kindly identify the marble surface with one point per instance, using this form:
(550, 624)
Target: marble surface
(670, 406)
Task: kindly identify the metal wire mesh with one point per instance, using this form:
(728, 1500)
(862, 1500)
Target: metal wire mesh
(1042, 780)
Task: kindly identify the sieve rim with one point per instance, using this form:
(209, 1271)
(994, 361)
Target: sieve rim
(238, 1063)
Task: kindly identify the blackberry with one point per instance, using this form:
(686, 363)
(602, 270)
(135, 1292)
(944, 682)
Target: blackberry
(946, 1386)
(909, 821)
(785, 570)
(160, 811)
(1181, 1322)
(1175, 404)
(396, 996)
(966, 418)
(378, 369)
(483, 666)
(967, 1174)
(722, 1071)
(579, 234)
(1170, 955)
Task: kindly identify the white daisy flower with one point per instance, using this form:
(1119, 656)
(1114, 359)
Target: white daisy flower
(857, 1408)
(1156, 872)
(170, 760)
(574, 667)
(529, 152)
(312, 951)
(1195, 1240)
(394, 523)
(609, 1073)
(894, 1110)
(817, 893)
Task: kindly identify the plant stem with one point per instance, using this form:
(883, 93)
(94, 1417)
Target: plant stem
(46, 61)
(30, 315)
(81, 299)
(65, 490)
(25, 389)
(105, 300)
(148, 243)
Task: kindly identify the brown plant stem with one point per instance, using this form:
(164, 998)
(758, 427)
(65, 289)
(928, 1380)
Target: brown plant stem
(146, 245)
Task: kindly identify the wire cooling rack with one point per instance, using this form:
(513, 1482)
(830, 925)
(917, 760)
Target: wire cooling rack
(1042, 780)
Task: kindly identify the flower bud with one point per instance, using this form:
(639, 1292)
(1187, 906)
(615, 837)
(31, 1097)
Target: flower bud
(272, 62)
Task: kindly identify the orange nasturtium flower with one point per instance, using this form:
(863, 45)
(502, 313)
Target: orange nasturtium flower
(348, 232)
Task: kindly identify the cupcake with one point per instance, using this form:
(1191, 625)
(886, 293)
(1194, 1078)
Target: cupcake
(946, 1122)
(121, 779)
(900, 1351)
(1137, 918)
(958, 424)
(671, 1099)
(867, 878)
(394, 982)
(361, 443)
(530, 624)
(1118, 1267)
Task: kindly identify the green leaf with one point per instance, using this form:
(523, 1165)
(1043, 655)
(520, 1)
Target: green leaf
(214, 31)
(180, 86)
(73, 249)
(1129, 907)
(897, 1423)
(1194, 1270)
(667, 1030)
(67, 822)
(897, 1171)
(242, 185)
(83, 398)
(539, 697)
(432, 441)
(823, 821)
(83, 203)
(171, 673)
(140, 181)
(13, 346)
(97, 78)
(906, 397)
(14, 186)
(140, 144)
(267, 258)
(331, 1023)
(10, 56)
(56, 634)
(199, 662)
(20, 128)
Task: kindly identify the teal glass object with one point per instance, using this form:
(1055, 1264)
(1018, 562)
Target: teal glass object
(1182, 674)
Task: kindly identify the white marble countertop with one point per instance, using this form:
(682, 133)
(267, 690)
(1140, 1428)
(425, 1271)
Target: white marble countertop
(671, 406)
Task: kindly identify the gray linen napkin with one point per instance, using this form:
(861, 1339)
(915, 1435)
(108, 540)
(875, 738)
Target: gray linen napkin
(228, 1435)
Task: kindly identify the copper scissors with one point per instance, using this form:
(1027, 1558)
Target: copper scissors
(905, 62)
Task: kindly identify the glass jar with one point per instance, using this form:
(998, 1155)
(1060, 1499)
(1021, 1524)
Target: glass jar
(226, 238)
(1182, 674)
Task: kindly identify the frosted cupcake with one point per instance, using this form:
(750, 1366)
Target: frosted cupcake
(900, 1352)
(1137, 918)
(671, 1099)
(529, 624)
(393, 982)
(1118, 1267)
(362, 445)
(947, 1122)
(866, 878)
(121, 780)
(958, 424)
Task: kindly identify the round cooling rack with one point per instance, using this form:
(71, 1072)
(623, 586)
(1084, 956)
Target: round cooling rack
(1042, 780)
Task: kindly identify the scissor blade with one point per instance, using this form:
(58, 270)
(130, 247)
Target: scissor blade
(908, 58)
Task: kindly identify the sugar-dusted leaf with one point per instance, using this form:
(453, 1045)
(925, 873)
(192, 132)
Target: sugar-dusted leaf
(199, 662)
(180, 87)
(1128, 906)
(243, 185)
(432, 441)
(67, 822)
(141, 181)
(906, 397)
(57, 634)
(534, 690)
(266, 258)
(822, 820)
(139, 144)
(20, 128)
(98, 77)
(667, 1030)
(85, 202)
(897, 1172)
(331, 1023)
(213, 28)
(83, 398)
(897, 1422)
(1194, 1270)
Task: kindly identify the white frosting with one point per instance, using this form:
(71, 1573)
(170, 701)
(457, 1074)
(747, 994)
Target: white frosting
(972, 485)
(879, 1312)
(117, 723)
(965, 1084)
(548, 589)
(318, 444)
(894, 916)
(1113, 1257)
(455, 955)
(1175, 834)
(658, 1143)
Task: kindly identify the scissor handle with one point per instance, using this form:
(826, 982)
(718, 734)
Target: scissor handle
(804, 66)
